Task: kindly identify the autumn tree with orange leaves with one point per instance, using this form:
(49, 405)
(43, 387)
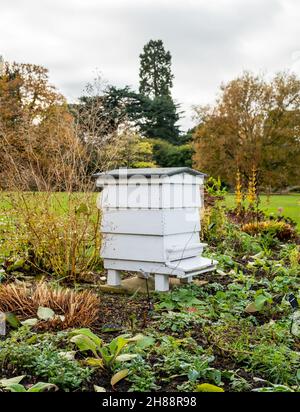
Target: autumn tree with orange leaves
(38, 144)
(254, 123)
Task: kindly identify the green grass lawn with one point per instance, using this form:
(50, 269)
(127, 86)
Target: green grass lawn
(290, 205)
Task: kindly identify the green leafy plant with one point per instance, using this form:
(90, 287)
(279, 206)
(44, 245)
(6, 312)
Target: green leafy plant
(236, 381)
(214, 187)
(41, 355)
(179, 298)
(141, 377)
(183, 357)
(106, 355)
(13, 385)
(262, 300)
(178, 321)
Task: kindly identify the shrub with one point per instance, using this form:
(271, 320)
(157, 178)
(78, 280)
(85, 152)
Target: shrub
(166, 154)
(280, 230)
(213, 222)
(77, 308)
(53, 233)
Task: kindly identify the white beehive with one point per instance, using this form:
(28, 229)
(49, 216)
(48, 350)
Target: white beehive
(151, 223)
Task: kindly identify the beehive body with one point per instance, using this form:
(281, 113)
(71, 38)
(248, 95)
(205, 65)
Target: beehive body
(151, 223)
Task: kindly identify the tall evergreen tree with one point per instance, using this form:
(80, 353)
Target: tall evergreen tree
(155, 70)
(152, 111)
(156, 81)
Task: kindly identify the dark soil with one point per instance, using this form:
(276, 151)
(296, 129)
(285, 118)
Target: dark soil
(102, 378)
(119, 312)
(214, 277)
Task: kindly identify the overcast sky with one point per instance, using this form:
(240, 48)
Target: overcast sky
(211, 41)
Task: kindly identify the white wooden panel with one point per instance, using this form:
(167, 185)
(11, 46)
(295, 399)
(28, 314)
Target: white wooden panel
(195, 266)
(132, 196)
(155, 196)
(133, 221)
(133, 247)
(177, 246)
(154, 180)
(108, 197)
(151, 197)
(149, 248)
(178, 195)
(183, 252)
(150, 222)
(181, 220)
(191, 265)
(136, 265)
(185, 178)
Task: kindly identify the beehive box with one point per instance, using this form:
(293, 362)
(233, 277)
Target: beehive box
(151, 223)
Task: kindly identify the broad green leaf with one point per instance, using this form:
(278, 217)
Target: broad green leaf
(207, 387)
(12, 319)
(30, 322)
(117, 377)
(41, 386)
(106, 355)
(9, 381)
(95, 362)
(116, 345)
(84, 343)
(145, 342)
(45, 313)
(15, 387)
(99, 388)
(87, 332)
(251, 308)
(126, 357)
(260, 302)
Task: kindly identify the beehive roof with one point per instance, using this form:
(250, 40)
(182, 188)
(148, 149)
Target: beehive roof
(148, 172)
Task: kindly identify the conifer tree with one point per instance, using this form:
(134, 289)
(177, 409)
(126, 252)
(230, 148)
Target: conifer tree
(155, 70)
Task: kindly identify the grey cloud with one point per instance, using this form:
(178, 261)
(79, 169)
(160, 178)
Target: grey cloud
(210, 41)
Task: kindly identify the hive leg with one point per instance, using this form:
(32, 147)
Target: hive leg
(113, 277)
(189, 279)
(161, 283)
